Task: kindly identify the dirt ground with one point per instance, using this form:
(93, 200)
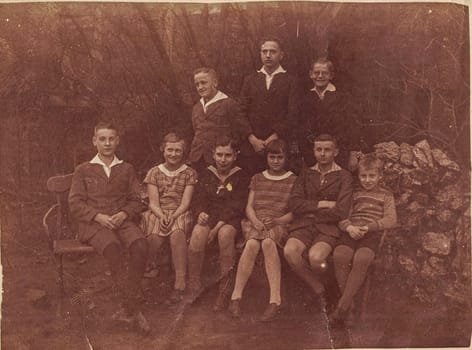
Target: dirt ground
(34, 316)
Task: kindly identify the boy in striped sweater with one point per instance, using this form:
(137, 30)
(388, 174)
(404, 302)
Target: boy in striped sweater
(372, 211)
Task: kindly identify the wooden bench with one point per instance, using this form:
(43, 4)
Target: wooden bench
(60, 228)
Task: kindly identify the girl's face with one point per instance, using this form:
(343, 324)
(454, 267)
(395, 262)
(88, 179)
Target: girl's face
(174, 153)
(276, 162)
(224, 157)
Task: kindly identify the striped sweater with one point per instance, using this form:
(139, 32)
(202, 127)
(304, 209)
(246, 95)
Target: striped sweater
(374, 209)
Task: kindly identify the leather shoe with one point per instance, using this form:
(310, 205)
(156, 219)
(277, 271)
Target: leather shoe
(270, 312)
(234, 308)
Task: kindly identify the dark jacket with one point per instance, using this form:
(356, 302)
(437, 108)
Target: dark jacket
(308, 191)
(221, 201)
(269, 111)
(92, 192)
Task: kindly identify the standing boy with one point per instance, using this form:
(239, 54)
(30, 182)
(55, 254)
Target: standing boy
(269, 102)
(216, 114)
(320, 198)
(104, 197)
(326, 110)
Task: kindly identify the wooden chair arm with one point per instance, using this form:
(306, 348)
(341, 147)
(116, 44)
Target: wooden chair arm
(50, 214)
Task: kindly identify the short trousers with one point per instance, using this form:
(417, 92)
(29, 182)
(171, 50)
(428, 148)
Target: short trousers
(128, 233)
(370, 240)
(309, 239)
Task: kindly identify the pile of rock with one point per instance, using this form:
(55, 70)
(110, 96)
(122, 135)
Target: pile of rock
(430, 249)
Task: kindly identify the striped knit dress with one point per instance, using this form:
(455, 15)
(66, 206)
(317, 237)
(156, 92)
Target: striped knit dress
(271, 194)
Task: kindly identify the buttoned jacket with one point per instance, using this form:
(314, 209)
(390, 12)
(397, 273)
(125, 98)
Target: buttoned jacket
(92, 192)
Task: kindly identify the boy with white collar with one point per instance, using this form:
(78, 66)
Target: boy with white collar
(104, 197)
(269, 102)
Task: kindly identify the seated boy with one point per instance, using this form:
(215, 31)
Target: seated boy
(373, 210)
(320, 198)
(104, 197)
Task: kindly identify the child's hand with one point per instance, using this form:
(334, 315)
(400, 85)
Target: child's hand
(118, 218)
(269, 223)
(258, 225)
(355, 232)
(105, 221)
(164, 223)
(326, 204)
(202, 218)
(256, 143)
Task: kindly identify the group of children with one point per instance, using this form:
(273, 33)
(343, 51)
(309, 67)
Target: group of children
(314, 213)
(225, 193)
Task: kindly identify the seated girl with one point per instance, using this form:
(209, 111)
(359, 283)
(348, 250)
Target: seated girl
(170, 187)
(265, 227)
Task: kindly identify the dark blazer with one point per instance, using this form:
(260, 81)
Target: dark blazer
(221, 118)
(92, 192)
(269, 111)
(308, 191)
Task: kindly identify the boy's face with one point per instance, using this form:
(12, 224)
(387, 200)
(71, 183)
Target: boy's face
(174, 152)
(276, 161)
(369, 178)
(271, 55)
(321, 75)
(206, 85)
(106, 141)
(224, 157)
(325, 152)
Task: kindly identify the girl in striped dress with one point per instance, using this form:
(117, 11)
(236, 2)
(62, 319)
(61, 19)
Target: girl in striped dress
(265, 227)
(170, 187)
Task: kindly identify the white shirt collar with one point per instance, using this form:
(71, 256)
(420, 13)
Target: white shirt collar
(334, 167)
(172, 173)
(106, 168)
(219, 96)
(268, 176)
(269, 77)
(330, 87)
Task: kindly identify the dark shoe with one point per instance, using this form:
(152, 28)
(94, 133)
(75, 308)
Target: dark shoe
(234, 308)
(219, 302)
(175, 297)
(270, 312)
(141, 323)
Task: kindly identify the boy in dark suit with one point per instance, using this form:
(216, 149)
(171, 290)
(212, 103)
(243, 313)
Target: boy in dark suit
(104, 197)
(269, 102)
(320, 198)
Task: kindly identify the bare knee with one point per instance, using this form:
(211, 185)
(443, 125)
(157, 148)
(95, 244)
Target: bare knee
(177, 239)
(269, 246)
(293, 251)
(317, 256)
(343, 255)
(252, 247)
(199, 237)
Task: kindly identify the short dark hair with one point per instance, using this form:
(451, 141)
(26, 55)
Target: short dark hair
(226, 141)
(324, 60)
(271, 38)
(276, 147)
(326, 137)
(371, 161)
(206, 70)
(105, 124)
(172, 137)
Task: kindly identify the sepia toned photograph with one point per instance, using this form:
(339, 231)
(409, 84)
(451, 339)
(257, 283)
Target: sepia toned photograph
(279, 175)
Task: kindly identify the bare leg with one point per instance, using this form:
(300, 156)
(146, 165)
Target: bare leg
(196, 254)
(272, 267)
(178, 247)
(245, 267)
(342, 257)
